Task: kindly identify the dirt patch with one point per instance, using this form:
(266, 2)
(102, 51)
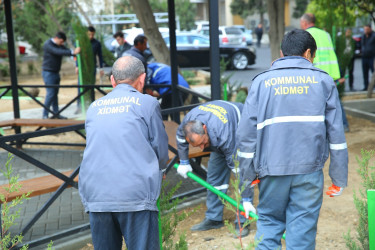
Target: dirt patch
(337, 216)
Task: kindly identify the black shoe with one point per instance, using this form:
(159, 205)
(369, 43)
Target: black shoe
(207, 224)
(60, 117)
(245, 231)
(364, 89)
(78, 111)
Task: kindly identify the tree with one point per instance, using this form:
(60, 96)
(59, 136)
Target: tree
(147, 21)
(300, 8)
(277, 26)
(367, 6)
(245, 8)
(36, 20)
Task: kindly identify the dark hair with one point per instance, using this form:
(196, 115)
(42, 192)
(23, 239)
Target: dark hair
(118, 34)
(139, 39)
(296, 42)
(368, 25)
(91, 29)
(61, 35)
(308, 17)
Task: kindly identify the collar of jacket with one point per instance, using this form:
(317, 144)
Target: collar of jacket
(126, 86)
(291, 62)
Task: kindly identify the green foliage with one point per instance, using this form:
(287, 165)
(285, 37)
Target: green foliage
(34, 25)
(300, 8)
(367, 174)
(170, 218)
(189, 76)
(241, 95)
(186, 10)
(87, 58)
(338, 13)
(9, 212)
(235, 183)
(108, 58)
(245, 8)
(232, 86)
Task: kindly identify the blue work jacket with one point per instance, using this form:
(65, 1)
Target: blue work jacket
(126, 150)
(291, 123)
(221, 119)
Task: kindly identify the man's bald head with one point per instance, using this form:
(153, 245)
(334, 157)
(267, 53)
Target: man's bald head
(307, 20)
(127, 69)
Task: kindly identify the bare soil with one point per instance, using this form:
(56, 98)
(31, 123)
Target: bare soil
(337, 216)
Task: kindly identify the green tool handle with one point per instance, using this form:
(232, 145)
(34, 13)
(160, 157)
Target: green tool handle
(225, 92)
(79, 63)
(219, 193)
(159, 219)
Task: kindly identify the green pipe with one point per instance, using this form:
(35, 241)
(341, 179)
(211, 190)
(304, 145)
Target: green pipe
(159, 219)
(225, 92)
(219, 193)
(80, 78)
(371, 217)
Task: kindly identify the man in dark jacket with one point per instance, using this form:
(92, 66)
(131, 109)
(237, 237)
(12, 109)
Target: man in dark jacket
(368, 53)
(123, 45)
(140, 45)
(53, 51)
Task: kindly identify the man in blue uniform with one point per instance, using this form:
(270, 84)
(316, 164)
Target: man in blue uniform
(159, 73)
(212, 127)
(121, 171)
(291, 123)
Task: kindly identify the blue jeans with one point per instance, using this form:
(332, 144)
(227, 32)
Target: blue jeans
(140, 230)
(218, 175)
(367, 64)
(291, 203)
(51, 79)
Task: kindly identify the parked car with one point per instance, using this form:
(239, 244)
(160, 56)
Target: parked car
(193, 51)
(227, 35)
(247, 33)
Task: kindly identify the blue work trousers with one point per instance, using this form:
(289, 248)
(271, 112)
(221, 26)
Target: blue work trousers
(139, 229)
(344, 119)
(290, 203)
(218, 175)
(52, 79)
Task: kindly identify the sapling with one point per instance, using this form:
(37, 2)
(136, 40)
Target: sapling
(367, 174)
(9, 212)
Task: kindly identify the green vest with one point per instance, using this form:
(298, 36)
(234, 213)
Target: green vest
(325, 57)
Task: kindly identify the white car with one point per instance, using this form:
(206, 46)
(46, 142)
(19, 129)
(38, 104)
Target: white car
(228, 35)
(131, 34)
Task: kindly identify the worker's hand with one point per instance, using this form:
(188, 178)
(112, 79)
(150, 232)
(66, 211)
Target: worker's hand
(248, 207)
(76, 70)
(334, 191)
(101, 72)
(77, 50)
(183, 169)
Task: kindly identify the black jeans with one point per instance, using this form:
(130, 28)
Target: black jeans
(367, 64)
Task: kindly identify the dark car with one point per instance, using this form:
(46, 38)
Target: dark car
(193, 52)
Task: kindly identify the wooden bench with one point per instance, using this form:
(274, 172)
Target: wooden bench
(48, 123)
(37, 186)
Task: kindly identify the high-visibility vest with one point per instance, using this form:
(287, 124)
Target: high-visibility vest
(325, 56)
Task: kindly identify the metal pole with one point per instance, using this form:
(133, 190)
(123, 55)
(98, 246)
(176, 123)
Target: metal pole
(214, 50)
(173, 51)
(12, 63)
(371, 217)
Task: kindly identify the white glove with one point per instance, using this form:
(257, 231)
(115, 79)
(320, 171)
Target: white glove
(248, 207)
(184, 169)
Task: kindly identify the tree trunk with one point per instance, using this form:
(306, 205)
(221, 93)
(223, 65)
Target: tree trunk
(277, 27)
(147, 21)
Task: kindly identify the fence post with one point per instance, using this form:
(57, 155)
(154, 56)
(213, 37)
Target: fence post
(371, 217)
